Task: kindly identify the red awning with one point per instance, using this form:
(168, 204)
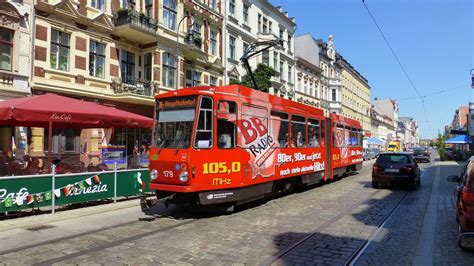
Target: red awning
(40, 110)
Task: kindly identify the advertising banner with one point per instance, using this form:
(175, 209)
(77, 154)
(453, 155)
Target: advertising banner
(114, 154)
(36, 191)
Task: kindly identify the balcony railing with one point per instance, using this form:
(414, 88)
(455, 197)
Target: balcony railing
(130, 85)
(135, 19)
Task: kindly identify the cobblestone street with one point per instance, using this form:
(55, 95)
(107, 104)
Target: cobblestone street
(328, 224)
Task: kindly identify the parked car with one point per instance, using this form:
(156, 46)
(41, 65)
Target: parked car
(366, 154)
(376, 152)
(464, 193)
(396, 167)
(421, 155)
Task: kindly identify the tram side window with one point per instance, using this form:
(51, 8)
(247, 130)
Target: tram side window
(313, 133)
(338, 136)
(361, 137)
(279, 123)
(298, 131)
(203, 138)
(323, 133)
(226, 125)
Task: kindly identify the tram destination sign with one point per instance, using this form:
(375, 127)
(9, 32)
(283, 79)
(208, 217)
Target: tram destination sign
(176, 103)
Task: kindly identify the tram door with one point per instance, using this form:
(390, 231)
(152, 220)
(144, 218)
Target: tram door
(327, 133)
(227, 154)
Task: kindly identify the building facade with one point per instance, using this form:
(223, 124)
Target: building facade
(122, 53)
(355, 95)
(389, 109)
(408, 132)
(250, 21)
(15, 65)
(382, 126)
(308, 73)
(331, 85)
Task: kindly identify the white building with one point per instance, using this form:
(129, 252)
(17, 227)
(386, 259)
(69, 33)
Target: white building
(250, 21)
(389, 108)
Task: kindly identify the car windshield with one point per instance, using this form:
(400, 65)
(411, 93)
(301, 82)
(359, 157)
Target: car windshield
(418, 151)
(175, 120)
(392, 146)
(392, 158)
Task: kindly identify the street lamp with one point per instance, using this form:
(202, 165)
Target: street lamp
(176, 82)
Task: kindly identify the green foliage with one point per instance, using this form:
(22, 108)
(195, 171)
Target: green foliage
(440, 144)
(262, 75)
(122, 12)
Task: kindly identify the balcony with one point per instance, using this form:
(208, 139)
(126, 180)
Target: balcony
(132, 86)
(192, 49)
(135, 26)
(334, 82)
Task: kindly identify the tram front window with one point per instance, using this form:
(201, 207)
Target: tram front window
(175, 120)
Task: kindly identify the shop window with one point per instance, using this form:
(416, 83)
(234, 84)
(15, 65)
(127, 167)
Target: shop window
(6, 49)
(203, 139)
(313, 132)
(280, 124)
(226, 125)
(63, 140)
(298, 131)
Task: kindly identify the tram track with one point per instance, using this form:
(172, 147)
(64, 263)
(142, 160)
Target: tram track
(358, 252)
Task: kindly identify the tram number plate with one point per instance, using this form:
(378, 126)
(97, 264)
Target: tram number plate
(392, 170)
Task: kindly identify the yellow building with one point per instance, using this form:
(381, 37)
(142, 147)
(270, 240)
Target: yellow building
(121, 53)
(355, 95)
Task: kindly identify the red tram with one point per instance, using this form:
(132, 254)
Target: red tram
(232, 144)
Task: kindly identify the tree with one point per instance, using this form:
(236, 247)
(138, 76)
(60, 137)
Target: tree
(262, 75)
(440, 144)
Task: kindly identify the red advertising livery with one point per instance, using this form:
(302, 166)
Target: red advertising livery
(232, 144)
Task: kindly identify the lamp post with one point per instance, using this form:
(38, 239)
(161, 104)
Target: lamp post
(468, 124)
(177, 49)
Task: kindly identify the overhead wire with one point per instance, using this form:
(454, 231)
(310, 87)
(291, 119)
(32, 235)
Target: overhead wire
(399, 63)
(435, 93)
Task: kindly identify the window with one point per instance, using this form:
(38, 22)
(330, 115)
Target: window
(193, 78)
(298, 131)
(59, 54)
(64, 140)
(290, 74)
(127, 64)
(149, 8)
(275, 60)
(253, 116)
(270, 26)
(246, 14)
(99, 4)
(169, 14)
(313, 132)
(246, 46)
(169, 70)
(226, 125)
(232, 47)
(213, 42)
(147, 66)
(259, 22)
(265, 26)
(6, 48)
(280, 124)
(266, 57)
(96, 59)
(213, 4)
(281, 34)
(127, 4)
(281, 70)
(213, 81)
(232, 7)
(323, 133)
(203, 139)
(289, 43)
(197, 30)
(334, 98)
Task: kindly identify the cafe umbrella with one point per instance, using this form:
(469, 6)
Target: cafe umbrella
(55, 111)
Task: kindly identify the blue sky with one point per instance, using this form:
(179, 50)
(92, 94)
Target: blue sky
(432, 38)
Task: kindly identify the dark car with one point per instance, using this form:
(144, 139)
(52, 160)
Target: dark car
(395, 167)
(421, 155)
(465, 204)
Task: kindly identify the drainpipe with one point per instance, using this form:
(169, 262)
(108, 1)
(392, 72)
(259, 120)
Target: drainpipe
(33, 38)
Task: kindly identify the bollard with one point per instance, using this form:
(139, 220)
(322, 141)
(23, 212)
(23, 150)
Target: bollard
(53, 187)
(115, 182)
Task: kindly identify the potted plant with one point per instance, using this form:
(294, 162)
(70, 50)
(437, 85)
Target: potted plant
(442, 153)
(122, 12)
(198, 41)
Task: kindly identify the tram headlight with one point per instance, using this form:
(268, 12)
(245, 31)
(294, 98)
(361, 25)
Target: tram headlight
(184, 176)
(153, 174)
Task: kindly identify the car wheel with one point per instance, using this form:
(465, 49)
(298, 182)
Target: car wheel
(375, 184)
